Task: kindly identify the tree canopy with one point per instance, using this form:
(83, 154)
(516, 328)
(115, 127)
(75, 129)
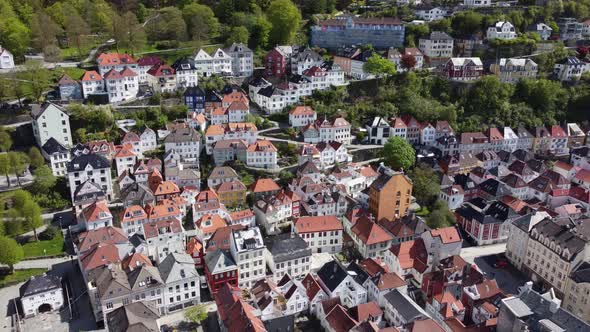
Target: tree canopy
(398, 154)
(284, 17)
(10, 252)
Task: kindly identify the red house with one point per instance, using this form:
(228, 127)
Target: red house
(275, 62)
(463, 69)
(220, 269)
(195, 249)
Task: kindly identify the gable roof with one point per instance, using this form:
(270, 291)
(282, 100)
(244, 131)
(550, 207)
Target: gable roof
(370, 232)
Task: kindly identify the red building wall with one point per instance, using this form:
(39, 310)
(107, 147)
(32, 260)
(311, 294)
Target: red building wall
(275, 64)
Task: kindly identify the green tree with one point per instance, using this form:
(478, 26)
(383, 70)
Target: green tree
(127, 32)
(38, 76)
(14, 35)
(467, 23)
(426, 185)
(440, 216)
(238, 35)
(196, 314)
(5, 167)
(169, 25)
(10, 252)
(76, 28)
(35, 157)
(18, 163)
(379, 66)
(32, 219)
(5, 140)
(44, 31)
(284, 17)
(201, 22)
(261, 33)
(44, 179)
(398, 154)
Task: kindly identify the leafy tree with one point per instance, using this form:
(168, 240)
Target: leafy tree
(10, 252)
(224, 10)
(284, 17)
(201, 21)
(127, 32)
(38, 76)
(238, 35)
(31, 213)
(426, 185)
(5, 140)
(5, 166)
(44, 179)
(196, 314)
(35, 157)
(398, 154)
(18, 161)
(379, 66)
(408, 61)
(169, 25)
(76, 28)
(467, 23)
(440, 216)
(44, 31)
(261, 33)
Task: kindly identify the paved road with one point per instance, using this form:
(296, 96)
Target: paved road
(471, 253)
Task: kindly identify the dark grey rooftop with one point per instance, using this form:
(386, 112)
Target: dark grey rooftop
(285, 247)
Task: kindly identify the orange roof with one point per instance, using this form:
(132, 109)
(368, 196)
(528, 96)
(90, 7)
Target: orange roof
(91, 75)
(218, 111)
(209, 223)
(447, 234)
(369, 232)
(163, 210)
(215, 130)
(244, 126)
(390, 280)
(109, 59)
(317, 224)
(166, 188)
(365, 311)
(194, 246)
(231, 186)
(583, 175)
(106, 235)
(488, 288)
(514, 203)
(373, 266)
(235, 96)
(411, 254)
(238, 106)
(237, 215)
(447, 299)
(200, 118)
(264, 185)
(100, 254)
(96, 211)
(302, 110)
(124, 151)
(368, 172)
(262, 146)
(563, 165)
(135, 260)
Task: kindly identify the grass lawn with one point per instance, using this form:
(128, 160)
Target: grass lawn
(51, 247)
(19, 276)
(423, 211)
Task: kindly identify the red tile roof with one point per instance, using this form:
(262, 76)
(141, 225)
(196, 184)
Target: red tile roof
(317, 224)
(106, 235)
(209, 223)
(369, 232)
(373, 266)
(221, 238)
(161, 70)
(366, 311)
(135, 260)
(152, 229)
(194, 246)
(262, 146)
(583, 175)
(302, 110)
(264, 185)
(166, 188)
(447, 234)
(339, 320)
(109, 59)
(91, 75)
(100, 255)
(96, 211)
(389, 280)
(411, 254)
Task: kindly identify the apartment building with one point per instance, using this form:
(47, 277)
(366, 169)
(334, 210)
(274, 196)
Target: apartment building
(437, 45)
(390, 187)
(51, 120)
(247, 249)
(322, 233)
(93, 168)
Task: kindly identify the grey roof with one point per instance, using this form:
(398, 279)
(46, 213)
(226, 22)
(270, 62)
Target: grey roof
(184, 64)
(142, 192)
(80, 162)
(357, 272)
(533, 308)
(183, 135)
(284, 247)
(134, 317)
(218, 260)
(524, 222)
(142, 274)
(177, 266)
(438, 35)
(405, 306)
(53, 146)
(183, 174)
(194, 91)
(136, 240)
(40, 284)
(222, 172)
(280, 324)
(562, 236)
(238, 47)
(88, 190)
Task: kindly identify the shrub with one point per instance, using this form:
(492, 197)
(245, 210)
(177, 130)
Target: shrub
(50, 233)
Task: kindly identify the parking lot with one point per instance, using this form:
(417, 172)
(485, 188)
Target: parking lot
(507, 277)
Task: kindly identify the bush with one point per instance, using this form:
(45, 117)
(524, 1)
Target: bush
(50, 233)
(167, 44)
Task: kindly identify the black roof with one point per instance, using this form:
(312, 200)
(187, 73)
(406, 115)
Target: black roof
(280, 324)
(91, 191)
(357, 272)
(40, 284)
(287, 246)
(332, 274)
(184, 64)
(53, 146)
(561, 235)
(194, 91)
(80, 162)
(267, 91)
(581, 274)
